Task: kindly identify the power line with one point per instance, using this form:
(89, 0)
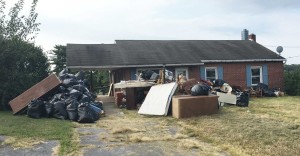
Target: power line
(282, 46)
(293, 56)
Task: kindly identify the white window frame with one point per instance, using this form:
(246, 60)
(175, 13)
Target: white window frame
(260, 74)
(179, 70)
(216, 72)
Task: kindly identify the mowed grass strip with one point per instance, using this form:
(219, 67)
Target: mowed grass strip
(23, 128)
(269, 126)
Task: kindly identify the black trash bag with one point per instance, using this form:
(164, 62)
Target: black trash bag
(55, 98)
(146, 75)
(80, 88)
(262, 86)
(199, 89)
(60, 111)
(243, 99)
(49, 109)
(218, 82)
(62, 74)
(86, 114)
(97, 111)
(86, 83)
(62, 89)
(36, 109)
(98, 104)
(79, 75)
(72, 110)
(92, 96)
(84, 99)
(269, 93)
(69, 82)
(75, 94)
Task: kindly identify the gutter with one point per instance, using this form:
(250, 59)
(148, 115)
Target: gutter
(254, 60)
(129, 66)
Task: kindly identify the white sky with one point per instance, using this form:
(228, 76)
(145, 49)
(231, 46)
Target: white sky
(275, 22)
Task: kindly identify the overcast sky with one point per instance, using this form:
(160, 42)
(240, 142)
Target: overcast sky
(275, 22)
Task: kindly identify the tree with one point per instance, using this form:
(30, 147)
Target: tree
(292, 79)
(59, 58)
(22, 63)
(16, 26)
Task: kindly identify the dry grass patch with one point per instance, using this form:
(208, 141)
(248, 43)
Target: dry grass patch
(270, 126)
(22, 143)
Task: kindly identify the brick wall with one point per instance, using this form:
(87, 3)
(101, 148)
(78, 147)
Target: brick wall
(276, 72)
(194, 72)
(233, 73)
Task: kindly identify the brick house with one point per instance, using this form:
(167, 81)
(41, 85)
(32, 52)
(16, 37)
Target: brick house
(241, 63)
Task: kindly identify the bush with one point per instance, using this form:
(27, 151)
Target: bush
(292, 79)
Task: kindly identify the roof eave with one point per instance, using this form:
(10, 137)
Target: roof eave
(131, 66)
(248, 60)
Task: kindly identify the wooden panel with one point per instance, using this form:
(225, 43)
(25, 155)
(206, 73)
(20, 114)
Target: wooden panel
(131, 98)
(36, 91)
(184, 106)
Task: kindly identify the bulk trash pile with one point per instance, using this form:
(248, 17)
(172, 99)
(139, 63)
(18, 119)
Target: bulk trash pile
(204, 88)
(71, 100)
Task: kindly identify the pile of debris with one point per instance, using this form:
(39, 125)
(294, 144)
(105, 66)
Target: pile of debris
(218, 87)
(265, 90)
(70, 100)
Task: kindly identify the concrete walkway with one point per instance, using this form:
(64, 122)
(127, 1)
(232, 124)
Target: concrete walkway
(42, 149)
(124, 132)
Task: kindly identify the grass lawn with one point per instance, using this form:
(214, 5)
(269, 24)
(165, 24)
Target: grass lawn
(269, 126)
(25, 132)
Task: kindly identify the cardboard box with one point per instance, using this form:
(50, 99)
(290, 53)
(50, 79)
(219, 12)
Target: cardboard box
(227, 98)
(185, 106)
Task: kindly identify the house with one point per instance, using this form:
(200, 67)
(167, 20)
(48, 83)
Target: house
(241, 63)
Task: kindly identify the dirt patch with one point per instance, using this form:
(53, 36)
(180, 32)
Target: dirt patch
(124, 132)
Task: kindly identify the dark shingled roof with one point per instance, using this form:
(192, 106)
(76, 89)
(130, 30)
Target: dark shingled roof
(157, 52)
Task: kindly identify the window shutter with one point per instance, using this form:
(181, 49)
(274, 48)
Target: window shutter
(220, 72)
(202, 72)
(132, 74)
(265, 74)
(248, 75)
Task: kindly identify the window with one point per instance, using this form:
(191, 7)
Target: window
(183, 71)
(256, 75)
(211, 73)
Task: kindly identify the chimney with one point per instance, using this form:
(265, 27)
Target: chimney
(245, 34)
(252, 37)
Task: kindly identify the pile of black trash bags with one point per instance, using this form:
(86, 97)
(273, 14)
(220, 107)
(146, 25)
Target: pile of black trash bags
(265, 90)
(71, 100)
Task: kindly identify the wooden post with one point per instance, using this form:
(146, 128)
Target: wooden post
(91, 81)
